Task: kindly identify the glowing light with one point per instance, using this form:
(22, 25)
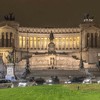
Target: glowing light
(20, 41)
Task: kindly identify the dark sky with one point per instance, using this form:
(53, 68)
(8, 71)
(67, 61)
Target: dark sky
(50, 13)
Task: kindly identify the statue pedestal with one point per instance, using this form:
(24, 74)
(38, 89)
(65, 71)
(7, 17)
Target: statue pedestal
(10, 72)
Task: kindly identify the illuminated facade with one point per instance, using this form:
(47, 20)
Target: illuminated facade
(67, 43)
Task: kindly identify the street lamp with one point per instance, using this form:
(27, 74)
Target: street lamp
(27, 58)
(81, 60)
(26, 71)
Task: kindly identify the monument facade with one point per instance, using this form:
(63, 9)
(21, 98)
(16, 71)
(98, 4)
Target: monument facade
(51, 48)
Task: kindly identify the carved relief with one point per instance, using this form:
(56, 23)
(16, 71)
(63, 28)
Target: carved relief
(68, 61)
(60, 61)
(39, 61)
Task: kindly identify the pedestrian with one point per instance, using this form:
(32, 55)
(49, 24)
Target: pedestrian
(78, 87)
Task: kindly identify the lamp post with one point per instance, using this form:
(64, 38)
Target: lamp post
(81, 60)
(27, 58)
(26, 71)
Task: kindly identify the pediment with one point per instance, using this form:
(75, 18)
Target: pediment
(92, 29)
(6, 27)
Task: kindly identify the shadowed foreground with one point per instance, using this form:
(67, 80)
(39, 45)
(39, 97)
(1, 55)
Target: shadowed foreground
(53, 92)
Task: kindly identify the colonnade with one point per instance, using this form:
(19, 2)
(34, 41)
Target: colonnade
(93, 40)
(61, 43)
(6, 39)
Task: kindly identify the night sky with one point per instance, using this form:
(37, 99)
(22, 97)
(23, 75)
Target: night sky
(50, 13)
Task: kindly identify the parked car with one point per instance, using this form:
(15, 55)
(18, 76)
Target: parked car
(87, 81)
(49, 81)
(39, 81)
(74, 80)
(4, 81)
(90, 80)
(23, 83)
(68, 82)
(52, 80)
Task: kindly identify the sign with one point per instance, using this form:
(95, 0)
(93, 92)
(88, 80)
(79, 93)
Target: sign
(10, 72)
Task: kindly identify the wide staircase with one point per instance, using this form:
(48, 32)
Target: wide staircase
(63, 74)
(91, 69)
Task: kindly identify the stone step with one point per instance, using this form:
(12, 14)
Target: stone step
(61, 73)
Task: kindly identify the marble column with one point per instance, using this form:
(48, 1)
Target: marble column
(89, 42)
(12, 38)
(43, 43)
(36, 44)
(33, 42)
(59, 43)
(8, 39)
(0, 40)
(4, 39)
(64, 43)
(68, 42)
(72, 42)
(22, 42)
(30, 41)
(40, 43)
(98, 40)
(46, 43)
(93, 40)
